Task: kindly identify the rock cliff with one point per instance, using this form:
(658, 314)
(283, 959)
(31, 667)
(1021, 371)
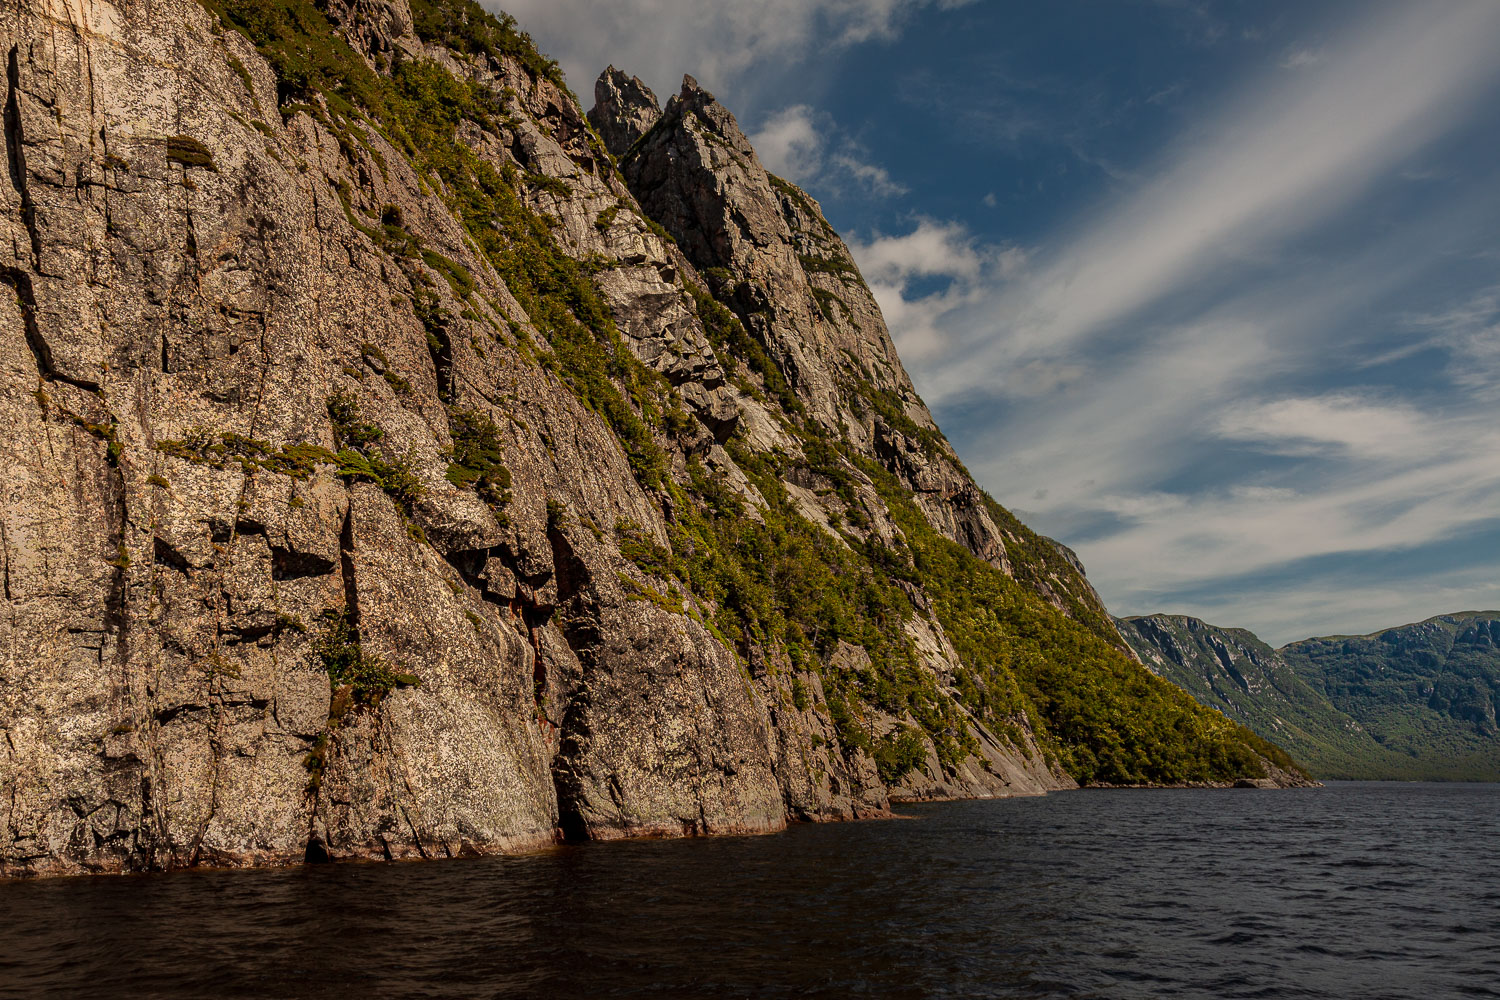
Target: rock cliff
(399, 462)
(1233, 671)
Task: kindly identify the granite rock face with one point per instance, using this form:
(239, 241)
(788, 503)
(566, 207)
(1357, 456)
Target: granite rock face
(624, 110)
(269, 592)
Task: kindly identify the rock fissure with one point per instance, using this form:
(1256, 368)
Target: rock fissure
(16, 155)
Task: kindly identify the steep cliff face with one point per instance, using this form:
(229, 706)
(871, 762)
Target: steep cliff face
(392, 470)
(767, 252)
(1408, 703)
(1233, 671)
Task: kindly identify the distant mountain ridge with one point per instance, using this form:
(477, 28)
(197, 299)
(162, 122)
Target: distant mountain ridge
(1412, 702)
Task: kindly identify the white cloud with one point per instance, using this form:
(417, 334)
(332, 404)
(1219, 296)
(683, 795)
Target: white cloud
(875, 179)
(933, 248)
(1168, 93)
(723, 43)
(789, 144)
(891, 264)
(1471, 333)
(1302, 58)
(806, 146)
(1338, 424)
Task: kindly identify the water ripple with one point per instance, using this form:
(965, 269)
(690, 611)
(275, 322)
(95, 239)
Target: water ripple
(1356, 890)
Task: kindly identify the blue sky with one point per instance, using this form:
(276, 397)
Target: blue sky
(1209, 291)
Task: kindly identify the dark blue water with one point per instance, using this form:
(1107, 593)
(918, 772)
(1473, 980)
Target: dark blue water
(1355, 890)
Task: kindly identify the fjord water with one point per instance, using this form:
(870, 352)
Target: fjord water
(1355, 890)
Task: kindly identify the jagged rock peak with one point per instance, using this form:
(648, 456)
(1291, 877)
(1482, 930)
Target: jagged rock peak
(693, 101)
(624, 109)
(693, 93)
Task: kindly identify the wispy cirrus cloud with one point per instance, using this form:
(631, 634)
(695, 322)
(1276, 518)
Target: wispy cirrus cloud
(1302, 58)
(1335, 425)
(1199, 21)
(1286, 155)
(1470, 330)
(1219, 374)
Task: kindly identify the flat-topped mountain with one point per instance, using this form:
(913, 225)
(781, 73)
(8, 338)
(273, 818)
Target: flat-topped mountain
(400, 462)
(1417, 701)
(1426, 692)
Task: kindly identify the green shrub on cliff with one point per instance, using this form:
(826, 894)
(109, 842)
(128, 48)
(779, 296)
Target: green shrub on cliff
(899, 753)
(465, 26)
(359, 459)
(307, 55)
(478, 462)
(204, 447)
(347, 663)
(728, 336)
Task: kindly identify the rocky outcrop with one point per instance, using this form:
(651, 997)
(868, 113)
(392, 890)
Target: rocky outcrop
(383, 480)
(696, 173)
(624, 110)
